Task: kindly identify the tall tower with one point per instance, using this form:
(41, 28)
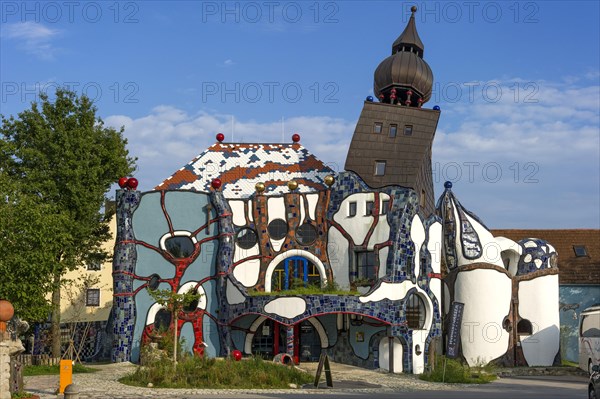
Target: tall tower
(393, 137)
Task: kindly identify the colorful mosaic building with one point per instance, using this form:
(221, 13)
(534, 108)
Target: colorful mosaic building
(293, 258)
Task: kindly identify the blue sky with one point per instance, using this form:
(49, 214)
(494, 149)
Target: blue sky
(517, 82)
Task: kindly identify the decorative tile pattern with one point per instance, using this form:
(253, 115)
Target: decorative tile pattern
(241, 166)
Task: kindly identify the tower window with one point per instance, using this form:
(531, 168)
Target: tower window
(393, 130)
(408, 130)
(377, 127)
(352, 209)
(385, 204)
(379, 168)
(369, 208)
(580, 250)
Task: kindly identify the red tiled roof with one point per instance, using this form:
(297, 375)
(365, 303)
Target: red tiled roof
(572, 269)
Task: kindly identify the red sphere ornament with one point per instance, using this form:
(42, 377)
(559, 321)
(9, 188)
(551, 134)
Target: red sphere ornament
(220, 137)
(132, 183)
(295, 137)
(216, 184)
(237, 355)
(123, 182)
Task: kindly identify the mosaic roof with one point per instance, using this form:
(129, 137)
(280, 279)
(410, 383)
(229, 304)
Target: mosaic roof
(241, 166)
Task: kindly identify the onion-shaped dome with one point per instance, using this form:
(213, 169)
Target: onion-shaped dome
(404, 77)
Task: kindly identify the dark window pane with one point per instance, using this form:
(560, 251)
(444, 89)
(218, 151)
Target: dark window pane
(352, 209)
(379, 168)
(154, 282)
(94, 265)
(385, 204)
(162, 320)
(277, 229)
(580, 250)
(365, 265)
(179, 246)
(191, 306)
(393, 130)
(524, 327)
(415, 312)
(377, 128)
(408, 130)
(246, 238)
(306, 234)
(369, 208)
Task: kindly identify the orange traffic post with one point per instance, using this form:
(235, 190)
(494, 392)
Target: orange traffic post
(66, 374)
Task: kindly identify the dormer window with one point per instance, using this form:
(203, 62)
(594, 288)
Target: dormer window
(580, 251)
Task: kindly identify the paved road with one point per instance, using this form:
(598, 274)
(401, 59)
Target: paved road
(362, 384)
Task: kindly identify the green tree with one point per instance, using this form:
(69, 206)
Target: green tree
(174, 303)
(60, 152)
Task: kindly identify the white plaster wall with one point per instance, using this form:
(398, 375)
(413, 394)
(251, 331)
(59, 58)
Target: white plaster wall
(276, 210)
(250, 214)
(356, 226)
(434, 246)
(511, 252)
(246, 272)
(286, 307)
(239, 212)
(381, 233)
(417, 235)
(538, 303)
(302, 213)
(487, 295)
(339, 260)
(312, 199)
(384, 355)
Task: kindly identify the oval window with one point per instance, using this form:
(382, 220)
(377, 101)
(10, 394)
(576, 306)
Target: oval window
(179, 246)
(246, 238)
(277, 229)
(306, 234)
(162, 320)
(190, 307)
(154, 282)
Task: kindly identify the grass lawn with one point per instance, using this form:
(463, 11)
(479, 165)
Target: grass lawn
(198, 372)
(54, 370)
(458, 373)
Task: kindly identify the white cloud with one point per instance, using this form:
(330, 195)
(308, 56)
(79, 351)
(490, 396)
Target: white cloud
(518, 164)
(34, 38)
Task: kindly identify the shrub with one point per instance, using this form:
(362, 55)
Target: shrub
(457, 372)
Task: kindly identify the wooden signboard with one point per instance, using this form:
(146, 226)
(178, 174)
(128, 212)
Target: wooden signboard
(324, 363)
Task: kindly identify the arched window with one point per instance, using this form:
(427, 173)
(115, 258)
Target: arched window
(294, 272)
(524, 327)
(415, 312)
(179, 246)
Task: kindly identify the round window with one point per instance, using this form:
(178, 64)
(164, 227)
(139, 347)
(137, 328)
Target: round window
(154, 282)
(179, 246)
(306, 234)
(277, 229)
(246, 238)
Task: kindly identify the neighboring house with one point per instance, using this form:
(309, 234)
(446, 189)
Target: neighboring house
(579, 278)
(247, 224)
(86, 304)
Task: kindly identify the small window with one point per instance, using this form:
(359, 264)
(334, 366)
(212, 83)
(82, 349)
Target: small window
(306, 234)
(408, 130)
(179, 246)
(352, 209)
(246, 238)
(94, 265)
(385, 204)
(162, 320)
(190, 307)
(365, 265)
(415, 312)
(379, 168)
(369, 208)
(92, 297)
(377, 127)
(580, 250)
(422, 199)
(524, 327)
(277, 229)
(154, 282)
(393, 130)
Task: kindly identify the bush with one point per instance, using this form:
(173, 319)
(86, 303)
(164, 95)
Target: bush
(201, 372)
(458, 373)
